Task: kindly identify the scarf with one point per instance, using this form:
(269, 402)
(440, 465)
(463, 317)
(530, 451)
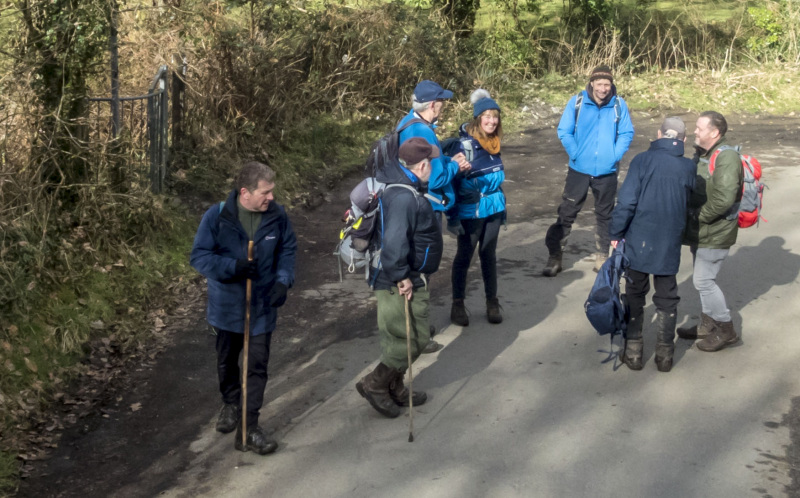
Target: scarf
(489, 144)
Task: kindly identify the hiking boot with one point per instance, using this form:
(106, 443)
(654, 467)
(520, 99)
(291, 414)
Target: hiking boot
(599, 259)
(399, 392)
(458, 313)
(432, 347)
(665, 345)
(721, 336)
(697, 331)
(256, 441)
(374, 387)
(229, 417)
(493, 311)
(553, 265)
(632, 354)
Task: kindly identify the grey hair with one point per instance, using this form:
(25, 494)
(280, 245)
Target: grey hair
(418, 106)
(670, 134)
(252, 173)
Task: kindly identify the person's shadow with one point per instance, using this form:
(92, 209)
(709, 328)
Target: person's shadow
(746, 275)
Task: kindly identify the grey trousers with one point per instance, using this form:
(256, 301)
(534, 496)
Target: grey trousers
(707, 263)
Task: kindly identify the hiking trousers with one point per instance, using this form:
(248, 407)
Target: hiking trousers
(576, 188)
(666, 297)
(707, 263)
(229, 347)
(483, 232)
(392, 325)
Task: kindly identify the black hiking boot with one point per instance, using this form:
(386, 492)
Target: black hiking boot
(553, 266)
(256, 441)
(722, 336)
(458, 313)
(697, 331)
(374, 387)
(665, 343)
(634, 345)
(399, 392)
(493, 311)
(229, 417)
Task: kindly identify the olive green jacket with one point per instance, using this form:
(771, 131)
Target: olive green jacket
(712, 220)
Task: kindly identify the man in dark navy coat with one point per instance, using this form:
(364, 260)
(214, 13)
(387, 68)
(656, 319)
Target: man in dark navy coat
(650, 215)
(220, 254)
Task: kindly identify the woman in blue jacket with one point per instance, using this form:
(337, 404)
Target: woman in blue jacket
(480, 206)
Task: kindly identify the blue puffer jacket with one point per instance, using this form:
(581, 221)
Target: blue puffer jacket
(651, 207)
(220, 241)
(479, 193)
(597, 145)
(443, 169)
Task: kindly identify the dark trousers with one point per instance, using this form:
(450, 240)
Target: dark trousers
(665, 299)
(483, 232)
(229, 347)
(576, 188)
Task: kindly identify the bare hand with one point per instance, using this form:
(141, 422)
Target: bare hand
(614, 243)
(463, 164)
(406, 288)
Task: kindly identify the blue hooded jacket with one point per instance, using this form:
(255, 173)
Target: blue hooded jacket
(651, 207)
(597, 145)
(443, 169)
(220, 241)
(479, 193)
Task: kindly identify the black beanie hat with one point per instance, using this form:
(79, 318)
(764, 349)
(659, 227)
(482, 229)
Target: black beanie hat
(601, 73)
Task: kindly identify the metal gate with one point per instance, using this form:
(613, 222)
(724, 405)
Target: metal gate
(144, 121)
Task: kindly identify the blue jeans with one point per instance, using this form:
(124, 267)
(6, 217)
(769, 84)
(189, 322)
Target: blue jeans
(707, 263)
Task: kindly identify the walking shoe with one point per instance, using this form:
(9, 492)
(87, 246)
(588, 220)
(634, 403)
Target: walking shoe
(374, 387)
(697, 331)
(722, 336)
(256, 441)
(399, 392)
(229, 417)
(599, 259)
(493, 311)
(432, 347)
(553, 265)
(632, 354)
(458, 313)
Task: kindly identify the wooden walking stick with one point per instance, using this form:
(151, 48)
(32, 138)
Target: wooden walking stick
(410, 375)
(248, 296)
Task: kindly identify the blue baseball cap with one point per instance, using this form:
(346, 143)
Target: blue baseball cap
(428, 91)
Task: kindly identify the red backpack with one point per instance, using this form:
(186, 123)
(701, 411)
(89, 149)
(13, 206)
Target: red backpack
(749, 208)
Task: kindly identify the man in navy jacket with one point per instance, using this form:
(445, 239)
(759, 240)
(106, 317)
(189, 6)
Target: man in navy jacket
(220, 254)
(596, 131)
(651, 215)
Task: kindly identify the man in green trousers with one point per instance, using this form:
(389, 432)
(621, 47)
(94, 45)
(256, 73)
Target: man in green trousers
(411, 251)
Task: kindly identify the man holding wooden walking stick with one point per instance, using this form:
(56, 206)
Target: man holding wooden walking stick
(411, 251)
(245, 247)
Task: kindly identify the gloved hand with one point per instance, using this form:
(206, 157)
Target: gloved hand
(277, 295)
(246, 269)
(455, 227)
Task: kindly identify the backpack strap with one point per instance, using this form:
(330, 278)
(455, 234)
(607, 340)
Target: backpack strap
(408, 123)
(578, 107)
(469, 152)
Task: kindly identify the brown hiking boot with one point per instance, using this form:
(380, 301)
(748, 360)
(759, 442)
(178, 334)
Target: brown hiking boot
(632, 355)
(553, 266)
(697, 331)
(493, 311)
(722, 336)
(399, 392)
(458, 313)
(374, 387)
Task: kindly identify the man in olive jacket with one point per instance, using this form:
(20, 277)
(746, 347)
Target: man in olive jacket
(712, 227)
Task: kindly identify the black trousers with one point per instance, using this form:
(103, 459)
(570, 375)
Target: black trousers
(665, 298)
(576, 189)
(483, 231)
(229, 347)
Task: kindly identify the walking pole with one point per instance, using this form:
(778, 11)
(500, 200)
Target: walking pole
(410, 375)
(248, 295)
